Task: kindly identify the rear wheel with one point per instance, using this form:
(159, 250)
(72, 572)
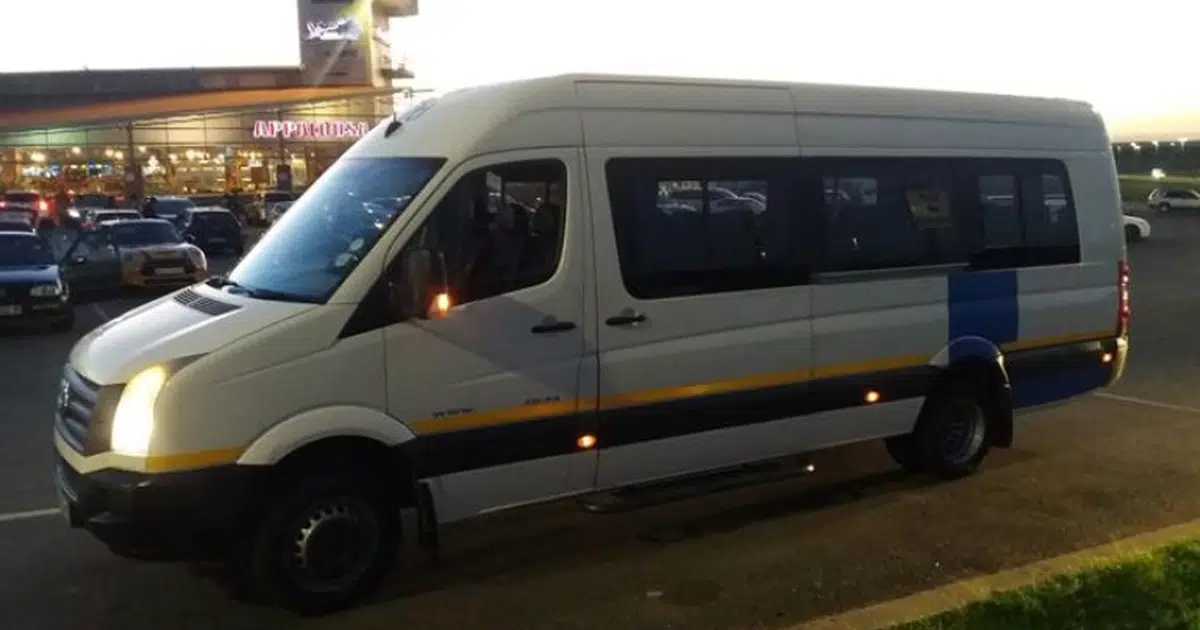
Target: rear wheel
(951, 438)
(324, 543)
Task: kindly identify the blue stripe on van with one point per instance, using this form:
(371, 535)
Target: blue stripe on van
(1045, 388)
(982, 304)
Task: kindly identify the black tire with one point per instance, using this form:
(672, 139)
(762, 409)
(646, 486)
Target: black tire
(951, 437)
(1164, 207)
(307, 518)
(1132, 234)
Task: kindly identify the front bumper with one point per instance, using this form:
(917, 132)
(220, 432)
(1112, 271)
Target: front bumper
(36, 311)
(167, 516)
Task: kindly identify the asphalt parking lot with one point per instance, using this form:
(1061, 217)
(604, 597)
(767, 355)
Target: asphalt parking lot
(857, 531)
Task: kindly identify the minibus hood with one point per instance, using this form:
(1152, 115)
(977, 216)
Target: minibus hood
(188, 323)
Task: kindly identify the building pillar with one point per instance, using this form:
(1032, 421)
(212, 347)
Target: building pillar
(135, 182)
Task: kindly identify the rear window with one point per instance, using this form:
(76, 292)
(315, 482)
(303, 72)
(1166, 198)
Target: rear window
(22, 197)
(173, 206)
(214, 219)
(94, 201)
(277, 197)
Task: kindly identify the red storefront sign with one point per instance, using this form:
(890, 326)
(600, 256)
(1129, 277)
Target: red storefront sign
(310, 129)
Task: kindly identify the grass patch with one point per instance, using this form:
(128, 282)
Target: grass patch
(1155, 591)
(1139, 187)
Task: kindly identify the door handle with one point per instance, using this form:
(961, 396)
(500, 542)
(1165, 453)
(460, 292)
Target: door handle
(626, 318)
(552, 327)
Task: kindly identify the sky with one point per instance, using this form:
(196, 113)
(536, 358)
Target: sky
(1124, 60)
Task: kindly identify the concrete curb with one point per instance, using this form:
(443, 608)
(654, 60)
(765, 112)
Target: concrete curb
(958, 594)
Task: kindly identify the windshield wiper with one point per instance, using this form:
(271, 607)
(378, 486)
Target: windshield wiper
(221, 282)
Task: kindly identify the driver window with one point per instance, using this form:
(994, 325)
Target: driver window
(499, 229)
(95, 246)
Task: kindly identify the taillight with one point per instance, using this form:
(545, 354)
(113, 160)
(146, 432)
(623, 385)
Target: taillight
(43, 206)
(1123, 311)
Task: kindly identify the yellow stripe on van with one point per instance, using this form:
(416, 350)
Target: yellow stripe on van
(1057, 340)
(512, 415)
(196, 459)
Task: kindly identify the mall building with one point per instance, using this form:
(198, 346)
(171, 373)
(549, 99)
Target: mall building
(207, 130)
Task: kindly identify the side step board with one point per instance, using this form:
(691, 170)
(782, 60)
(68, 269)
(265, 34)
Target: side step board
(680, 488)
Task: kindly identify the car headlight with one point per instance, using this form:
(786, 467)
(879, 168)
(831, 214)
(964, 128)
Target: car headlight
(47, 290)
(73, 213)
(133, 421)
(197, 257)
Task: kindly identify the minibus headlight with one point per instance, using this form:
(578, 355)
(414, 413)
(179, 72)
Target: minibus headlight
(133, 421)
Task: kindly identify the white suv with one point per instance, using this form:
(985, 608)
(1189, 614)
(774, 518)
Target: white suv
(1167, 199)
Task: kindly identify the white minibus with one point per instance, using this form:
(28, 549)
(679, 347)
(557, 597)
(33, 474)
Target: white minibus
(575, 286)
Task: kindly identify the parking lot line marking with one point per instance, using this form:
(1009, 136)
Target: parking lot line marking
(21, 516)
(1149, 403)
(99, 311)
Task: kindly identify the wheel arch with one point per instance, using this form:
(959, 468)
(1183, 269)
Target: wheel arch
(979, 360)
(320, 425)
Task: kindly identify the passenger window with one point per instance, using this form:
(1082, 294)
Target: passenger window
(713, 233)
(887, 214)
(1001, 219)
(1048, 212)
(1027, 214)
(499, 229)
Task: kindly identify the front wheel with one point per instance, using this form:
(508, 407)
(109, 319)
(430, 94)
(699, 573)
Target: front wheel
(951, 438)
(1164, 207)
(322, 545)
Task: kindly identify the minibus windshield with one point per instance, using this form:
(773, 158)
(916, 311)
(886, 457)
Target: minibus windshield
(331, 227)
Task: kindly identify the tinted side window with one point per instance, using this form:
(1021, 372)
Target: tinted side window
(694, 226)
(499, 229)
(1049, 217)
(887, 213)
(95, 246)
(1001, 217)
(1026, 213)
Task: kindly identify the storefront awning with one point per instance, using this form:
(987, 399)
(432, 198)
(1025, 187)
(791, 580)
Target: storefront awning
(150, 108)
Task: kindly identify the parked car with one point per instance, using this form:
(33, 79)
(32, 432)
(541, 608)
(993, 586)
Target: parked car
(1136, 229)
(154, 254)
(32, 288)
(28, 201)
(139, 253)
(212, 229)
(1168, 199)
(17, 220)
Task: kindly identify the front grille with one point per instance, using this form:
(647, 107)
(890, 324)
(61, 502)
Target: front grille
(77, 399)
(14, 293)
(149, 267)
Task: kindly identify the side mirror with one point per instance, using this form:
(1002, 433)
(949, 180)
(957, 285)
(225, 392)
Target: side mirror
(191, 238)
(420, 287)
